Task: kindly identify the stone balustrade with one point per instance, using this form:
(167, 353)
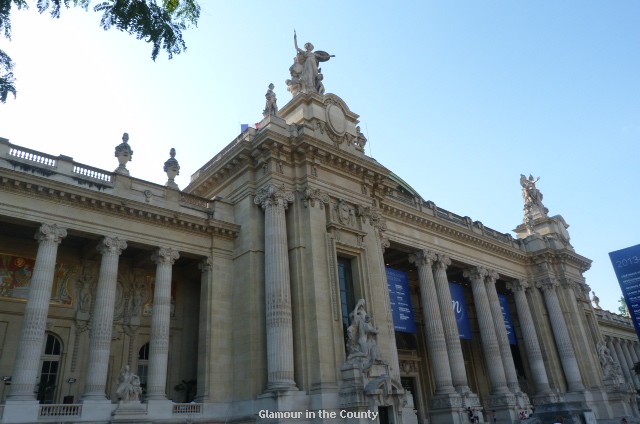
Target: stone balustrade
(60, 410)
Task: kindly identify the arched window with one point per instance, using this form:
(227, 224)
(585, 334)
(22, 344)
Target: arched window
(49, 369)
(143, 364)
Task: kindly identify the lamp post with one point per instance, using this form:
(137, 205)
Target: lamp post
(69, 398)
(6, 379)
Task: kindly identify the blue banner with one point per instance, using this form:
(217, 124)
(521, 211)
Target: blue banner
(506, 314)
(400, 298)
(626, 264)
(459, 305)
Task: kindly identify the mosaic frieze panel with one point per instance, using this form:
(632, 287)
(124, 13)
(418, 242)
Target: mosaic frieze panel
(15, 279)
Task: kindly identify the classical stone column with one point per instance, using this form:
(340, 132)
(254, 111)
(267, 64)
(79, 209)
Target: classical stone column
(102, 322)
(615, 342)
(614, 353)
(202, 393)
(451, 334)
(26, 368)
(629, 362)
(501, 332)
(436, 343)
(274, 200)
(487, 330)
(160, 319)
(561, 335)
(632, 351)
(531, 344)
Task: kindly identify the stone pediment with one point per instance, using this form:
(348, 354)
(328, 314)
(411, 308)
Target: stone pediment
(328, 118)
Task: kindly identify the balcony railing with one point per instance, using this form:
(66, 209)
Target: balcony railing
(60, 410)
(187, 408)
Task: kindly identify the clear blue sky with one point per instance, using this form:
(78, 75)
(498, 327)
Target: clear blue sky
(457, 98)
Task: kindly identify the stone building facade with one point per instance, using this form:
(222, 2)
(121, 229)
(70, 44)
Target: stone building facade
(260, 293)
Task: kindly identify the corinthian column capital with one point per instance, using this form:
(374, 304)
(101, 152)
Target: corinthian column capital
(111, 245)
(492, 276)
(475, 274)
(165, 255)
(518, 285)
(205, 265)
(422, 257)
(442, 261)
(273, 195)
(547, 284)
(50, 232)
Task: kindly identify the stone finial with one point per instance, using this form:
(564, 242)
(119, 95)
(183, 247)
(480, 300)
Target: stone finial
(172, 168)
(124, 155)
(271, 106)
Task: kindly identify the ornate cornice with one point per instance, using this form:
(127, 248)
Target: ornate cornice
(131, 210)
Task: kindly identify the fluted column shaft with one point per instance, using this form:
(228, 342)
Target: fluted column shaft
(160, 321)
(434, 333)
(561, 336)
(204, 329)
(532, 346)
(487, 330)
(451, 334)
(629, 361)
(614, 353)
(280, 370)
(632, 351)
(501, 333)
(36, 310)
(102, 322)
(622, 361)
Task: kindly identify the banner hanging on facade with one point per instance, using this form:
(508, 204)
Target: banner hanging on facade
(400, 299)
(626, 264)
(506, 314)
(459, 305)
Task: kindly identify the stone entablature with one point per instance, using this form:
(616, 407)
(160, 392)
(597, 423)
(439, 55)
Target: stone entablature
(62, 180)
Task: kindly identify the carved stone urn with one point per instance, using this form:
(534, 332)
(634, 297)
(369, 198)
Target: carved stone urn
(124, 155)
(172, 168)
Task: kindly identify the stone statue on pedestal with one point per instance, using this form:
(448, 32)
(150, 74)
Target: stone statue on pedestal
(305, 74)
(271, 106)
(533, 207)
(128, 385)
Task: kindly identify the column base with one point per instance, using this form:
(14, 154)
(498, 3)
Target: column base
(572, 412)
(20, 411)
(281, 386)
(504, 407)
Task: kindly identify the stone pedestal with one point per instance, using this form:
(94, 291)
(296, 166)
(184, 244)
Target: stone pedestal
(130, 412)
(20, 411)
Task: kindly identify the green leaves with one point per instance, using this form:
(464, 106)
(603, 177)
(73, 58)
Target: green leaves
(7, 81)
(162, 26)
(157, 22)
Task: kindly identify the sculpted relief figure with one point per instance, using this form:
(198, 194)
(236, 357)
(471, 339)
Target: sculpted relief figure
(128, 385)
(305, 74)
(363, 337)
(610, 368)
